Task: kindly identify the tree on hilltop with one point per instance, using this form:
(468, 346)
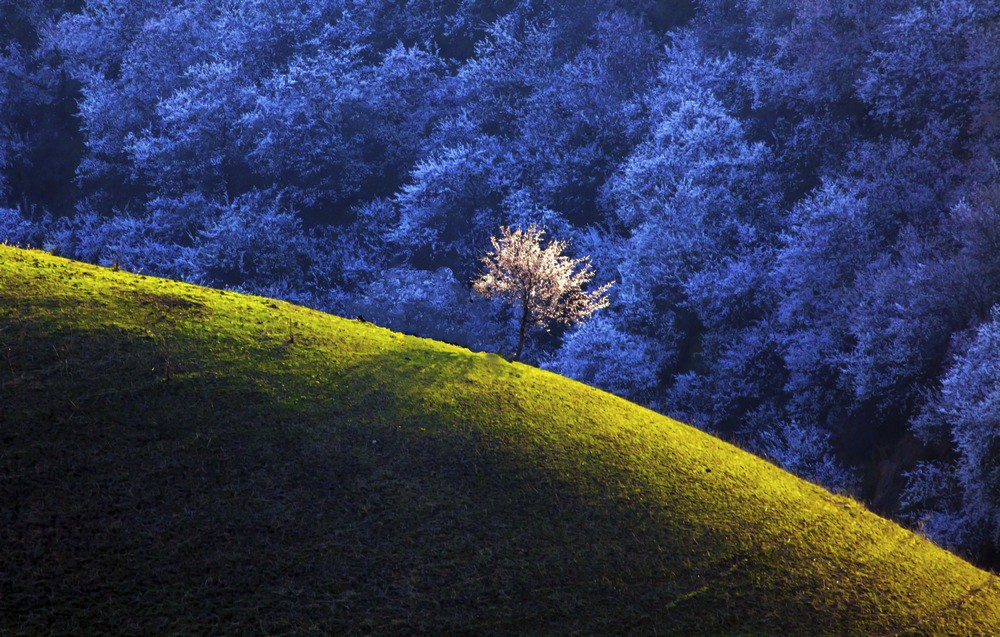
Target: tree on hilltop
(544, 283)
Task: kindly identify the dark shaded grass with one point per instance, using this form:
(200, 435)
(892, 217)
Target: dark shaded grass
(147, 517)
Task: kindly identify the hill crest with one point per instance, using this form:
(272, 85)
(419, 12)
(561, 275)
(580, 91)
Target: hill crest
(180, 459)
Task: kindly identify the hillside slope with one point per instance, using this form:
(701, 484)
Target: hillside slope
(175, 459)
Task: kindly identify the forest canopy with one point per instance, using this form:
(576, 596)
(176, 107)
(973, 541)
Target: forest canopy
(798, 202)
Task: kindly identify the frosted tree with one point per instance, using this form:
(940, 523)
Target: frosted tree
(543, 283)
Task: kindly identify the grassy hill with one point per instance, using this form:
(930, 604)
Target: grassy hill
(176, 459)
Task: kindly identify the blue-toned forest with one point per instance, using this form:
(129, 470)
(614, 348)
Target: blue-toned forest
(798, 202)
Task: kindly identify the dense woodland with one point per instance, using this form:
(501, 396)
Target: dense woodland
(798, 202)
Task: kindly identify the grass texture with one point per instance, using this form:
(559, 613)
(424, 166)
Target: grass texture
(180, 460)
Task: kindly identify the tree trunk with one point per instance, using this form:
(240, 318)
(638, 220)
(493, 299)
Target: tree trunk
(524, 328)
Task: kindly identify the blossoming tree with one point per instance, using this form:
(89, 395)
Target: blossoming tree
(545, 285)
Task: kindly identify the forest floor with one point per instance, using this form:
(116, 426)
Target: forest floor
(175, 459)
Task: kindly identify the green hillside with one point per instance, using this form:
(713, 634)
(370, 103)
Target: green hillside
(178, 460)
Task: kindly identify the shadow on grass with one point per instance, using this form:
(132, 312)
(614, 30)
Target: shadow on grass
(312, 487)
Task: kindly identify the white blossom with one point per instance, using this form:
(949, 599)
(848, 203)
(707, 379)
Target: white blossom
(543, 283)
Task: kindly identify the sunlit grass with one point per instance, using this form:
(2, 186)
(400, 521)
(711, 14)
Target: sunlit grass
(177, 460)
